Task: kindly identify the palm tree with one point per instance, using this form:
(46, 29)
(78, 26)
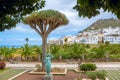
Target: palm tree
(38, 51)
(100, 52)
(27, 39)
(26, 51)
(5, 52)
(44, 22)
(55, 50)
(78, 51)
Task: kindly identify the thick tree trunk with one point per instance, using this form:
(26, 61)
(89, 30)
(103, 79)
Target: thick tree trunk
(44, 41)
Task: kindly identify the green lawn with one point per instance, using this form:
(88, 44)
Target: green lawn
(113, 74)
(3, 70)
(7, 74)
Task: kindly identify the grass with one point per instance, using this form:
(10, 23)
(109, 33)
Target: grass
(113, 74)
(3, 70)
(7, 74)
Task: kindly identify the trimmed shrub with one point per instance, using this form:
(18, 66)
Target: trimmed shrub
(2, 65)
(88, 67)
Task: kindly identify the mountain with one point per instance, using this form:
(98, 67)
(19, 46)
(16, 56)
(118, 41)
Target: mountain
(104, 23)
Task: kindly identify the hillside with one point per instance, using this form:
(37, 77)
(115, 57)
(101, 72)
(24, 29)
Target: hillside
(104, 23)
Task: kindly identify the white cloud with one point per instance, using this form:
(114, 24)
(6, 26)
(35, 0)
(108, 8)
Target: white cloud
(22, 28)
(59, 4)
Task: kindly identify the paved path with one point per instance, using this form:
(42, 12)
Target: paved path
(100, 65)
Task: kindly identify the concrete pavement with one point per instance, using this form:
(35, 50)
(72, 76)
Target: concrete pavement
(100, 65)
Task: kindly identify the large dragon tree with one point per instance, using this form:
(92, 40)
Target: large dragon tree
(44, 22)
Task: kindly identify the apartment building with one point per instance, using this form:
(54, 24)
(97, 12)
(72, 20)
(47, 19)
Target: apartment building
(110, 34)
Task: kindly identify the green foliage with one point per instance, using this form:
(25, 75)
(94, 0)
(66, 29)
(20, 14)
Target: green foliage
(114, 56)
(37, 49)
(100, 52)
(11, 11)
(76, 50)
(88, 67)
(55, 50)
(90, 8)
(6, 52)
(27, 51)
(51, 17)
(67, 51)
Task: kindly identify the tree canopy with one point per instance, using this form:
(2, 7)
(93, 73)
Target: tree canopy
(45, 18)
(11, 11)
(90, 8)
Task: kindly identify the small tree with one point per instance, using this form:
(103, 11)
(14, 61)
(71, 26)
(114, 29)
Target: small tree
(44, 22)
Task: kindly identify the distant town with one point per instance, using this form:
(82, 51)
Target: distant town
(110, 34)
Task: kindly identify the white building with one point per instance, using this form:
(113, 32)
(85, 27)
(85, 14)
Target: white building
(110, 34)
(92, 40)
(55, 41)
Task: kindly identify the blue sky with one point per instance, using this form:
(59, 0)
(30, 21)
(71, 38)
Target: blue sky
(17, 35)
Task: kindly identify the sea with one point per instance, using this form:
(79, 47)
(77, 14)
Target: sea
(10, 46)
(15, 46)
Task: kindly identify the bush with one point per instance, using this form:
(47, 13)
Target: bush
(2, 65)
(88, 67)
